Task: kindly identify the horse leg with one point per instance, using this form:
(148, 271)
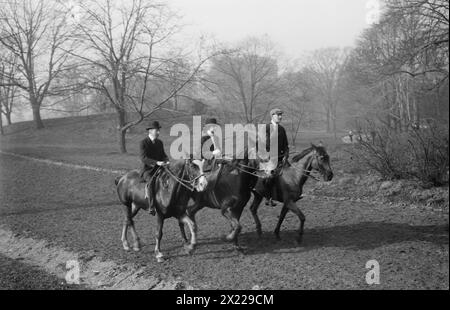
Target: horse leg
(136, 243)
(233, 215)
(236, 214)
(283, 213)
(159, 233)
(254, 209)
(193, 229)
(182, 231)
(126, 224)
(226, 212)
(294, 208)
(191, 211)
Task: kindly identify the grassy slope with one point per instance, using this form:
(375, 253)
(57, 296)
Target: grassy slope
(93, 140)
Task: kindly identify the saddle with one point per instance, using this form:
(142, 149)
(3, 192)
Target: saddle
(268, 187)
(150, 186)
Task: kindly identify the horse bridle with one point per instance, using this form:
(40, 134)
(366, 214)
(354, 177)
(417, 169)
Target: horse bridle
(309, 169)
(189, 184)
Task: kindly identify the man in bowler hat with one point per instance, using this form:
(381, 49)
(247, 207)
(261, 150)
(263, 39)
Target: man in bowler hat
(153, 157)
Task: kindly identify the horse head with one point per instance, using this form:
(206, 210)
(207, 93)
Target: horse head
(321, 162)
(194, 168)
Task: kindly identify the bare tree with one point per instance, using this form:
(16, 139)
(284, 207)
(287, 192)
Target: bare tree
(8, 90)
(126, 55)
(325, 67)
(296, 98)
(247, 79)
(399, 65)
(37, 33)
(425, 48)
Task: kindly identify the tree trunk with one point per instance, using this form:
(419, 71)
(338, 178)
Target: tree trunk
(8, 118)
(37, 116)
(122, 133)
(328, 122)
(334, 128)
(175, 103)
(1, 125)
(122, 141)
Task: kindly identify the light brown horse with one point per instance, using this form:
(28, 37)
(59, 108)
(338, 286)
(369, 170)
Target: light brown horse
(174, 185)
(289, 186)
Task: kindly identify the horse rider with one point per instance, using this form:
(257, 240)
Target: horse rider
(350, 134)
(210, 144)
(275, 130)
(153, 157)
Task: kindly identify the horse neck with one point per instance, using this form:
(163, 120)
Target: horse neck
(177, 167)
(177, 170)
(305, 168)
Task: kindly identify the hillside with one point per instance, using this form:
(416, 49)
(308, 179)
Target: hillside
(93, 139)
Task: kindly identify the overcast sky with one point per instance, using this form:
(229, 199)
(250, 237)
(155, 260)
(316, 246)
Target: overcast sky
(294, 25)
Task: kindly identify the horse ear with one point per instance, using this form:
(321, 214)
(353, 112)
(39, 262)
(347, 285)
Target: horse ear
(320, 143)
(188, 156)
(313, 146)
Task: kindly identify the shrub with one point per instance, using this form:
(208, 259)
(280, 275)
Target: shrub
(421, 154)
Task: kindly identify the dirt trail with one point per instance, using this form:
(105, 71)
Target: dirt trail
(78, 210)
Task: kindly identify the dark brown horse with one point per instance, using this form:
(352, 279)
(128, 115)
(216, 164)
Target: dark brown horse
(229, 190)
(173, 188)
(289, 185)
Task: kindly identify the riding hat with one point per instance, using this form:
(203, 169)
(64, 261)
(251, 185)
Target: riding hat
(276, 112)
(211, 121)
(154, 125)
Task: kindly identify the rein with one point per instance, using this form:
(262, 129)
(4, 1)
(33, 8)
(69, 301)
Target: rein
(186, 183)
(248, 172)
(307, 173)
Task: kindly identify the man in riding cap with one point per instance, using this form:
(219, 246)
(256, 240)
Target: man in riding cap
(210, 143)
(153, 157)
(274, 130)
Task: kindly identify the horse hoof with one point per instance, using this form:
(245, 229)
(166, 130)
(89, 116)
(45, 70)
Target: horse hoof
(136, 249)
(240, 249)
(229, 238)
(189, 249)
(277, 237)
(299, 240)
(160, 259)
(126, 247)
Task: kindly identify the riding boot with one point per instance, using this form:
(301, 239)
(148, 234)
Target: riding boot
(149, 196)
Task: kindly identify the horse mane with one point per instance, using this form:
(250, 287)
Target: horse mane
(177, 164)
(300, 156)
(320, 149)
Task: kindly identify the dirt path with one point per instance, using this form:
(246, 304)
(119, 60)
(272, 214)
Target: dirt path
(16, 275)
(78, 210)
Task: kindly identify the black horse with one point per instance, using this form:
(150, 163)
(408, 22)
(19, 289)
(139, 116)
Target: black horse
(229, 190)
(289, 185)
(173, 188)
